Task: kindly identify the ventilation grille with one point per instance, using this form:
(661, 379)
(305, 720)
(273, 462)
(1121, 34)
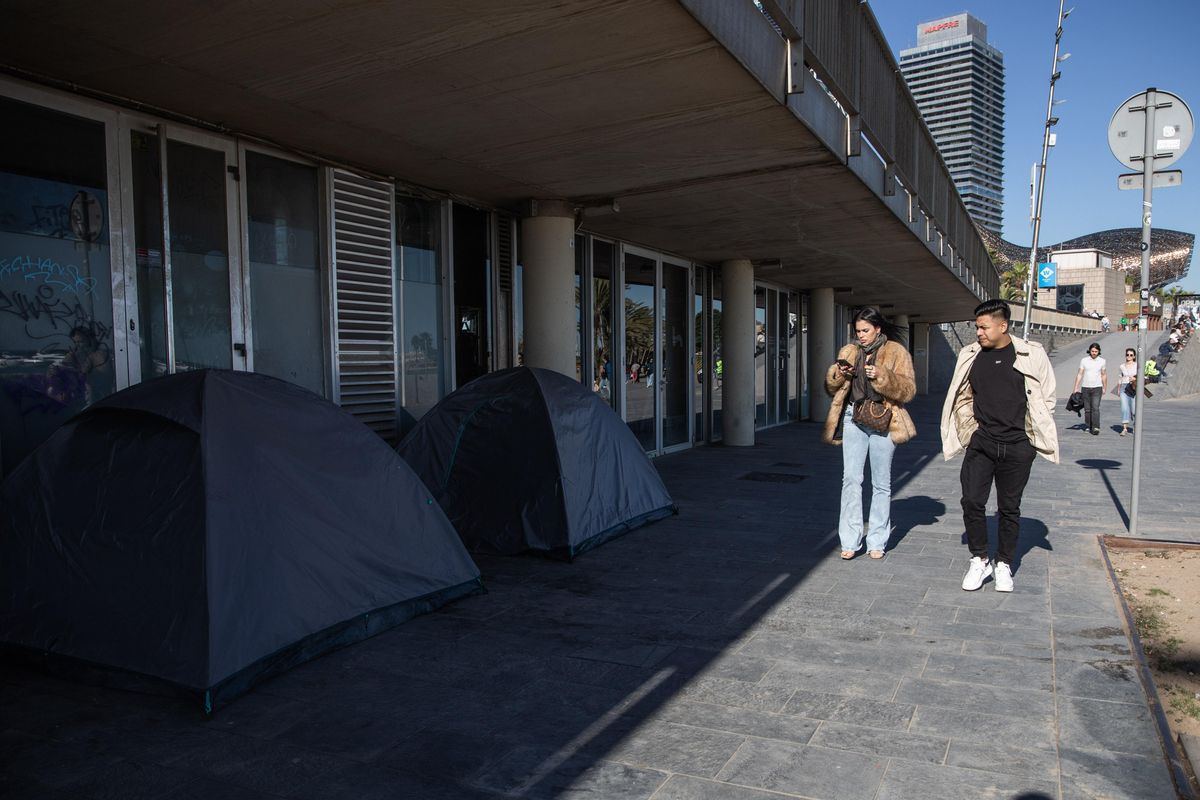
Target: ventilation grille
(504, 252)
(366, 342)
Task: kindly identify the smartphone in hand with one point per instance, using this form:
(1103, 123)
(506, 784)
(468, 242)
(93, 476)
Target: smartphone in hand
(845, 365)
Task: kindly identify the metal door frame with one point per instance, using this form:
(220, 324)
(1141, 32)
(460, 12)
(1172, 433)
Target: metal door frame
(234, 235)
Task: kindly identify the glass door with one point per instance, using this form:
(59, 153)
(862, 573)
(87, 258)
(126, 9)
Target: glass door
(760, 357)
(472, 293)
(676, 377)
(640, 399)
(783, 361)
(773, 360)
(603, 312)
(795, 365)
(657, 376)
(185, 256)
(776, 356)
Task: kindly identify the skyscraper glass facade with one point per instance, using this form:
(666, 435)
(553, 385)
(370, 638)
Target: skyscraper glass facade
(957, 79)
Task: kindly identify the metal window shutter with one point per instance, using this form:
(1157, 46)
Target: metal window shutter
(364, 311)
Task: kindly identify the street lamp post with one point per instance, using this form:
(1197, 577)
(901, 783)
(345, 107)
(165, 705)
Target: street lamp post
(1051, 121)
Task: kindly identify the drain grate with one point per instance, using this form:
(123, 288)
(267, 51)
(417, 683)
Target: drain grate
(772, 477)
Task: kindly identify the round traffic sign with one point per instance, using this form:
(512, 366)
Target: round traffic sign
(1173, 128)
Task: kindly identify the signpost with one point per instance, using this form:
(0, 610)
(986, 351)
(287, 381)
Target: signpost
(1149, 127)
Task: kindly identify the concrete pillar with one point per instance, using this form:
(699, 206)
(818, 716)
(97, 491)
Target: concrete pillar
(822, 349)
(737, 352)
(920, 354)
(548, 250)
(901, 322)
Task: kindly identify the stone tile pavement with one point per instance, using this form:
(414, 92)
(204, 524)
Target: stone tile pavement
(724, 653)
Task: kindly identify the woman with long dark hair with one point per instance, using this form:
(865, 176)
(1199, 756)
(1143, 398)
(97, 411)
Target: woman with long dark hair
(870, 382)
(1093, 379)
(1128, 376)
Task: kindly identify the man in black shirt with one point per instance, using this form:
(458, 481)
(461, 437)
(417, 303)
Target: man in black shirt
(999, 411)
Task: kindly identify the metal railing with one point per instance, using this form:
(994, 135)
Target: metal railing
(844, 46)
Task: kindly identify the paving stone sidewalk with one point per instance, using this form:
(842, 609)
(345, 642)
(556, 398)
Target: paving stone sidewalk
(724, 653)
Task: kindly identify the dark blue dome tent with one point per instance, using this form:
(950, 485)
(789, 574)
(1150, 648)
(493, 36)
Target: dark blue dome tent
(203, 531)
(529, 459)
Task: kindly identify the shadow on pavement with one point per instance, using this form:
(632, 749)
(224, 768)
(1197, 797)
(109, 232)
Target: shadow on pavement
(912, 512)
(1104, 466)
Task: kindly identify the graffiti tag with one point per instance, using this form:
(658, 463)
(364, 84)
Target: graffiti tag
(50, 272)
(46, 315)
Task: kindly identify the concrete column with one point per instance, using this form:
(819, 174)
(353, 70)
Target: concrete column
(737, 352)
(901, 322)
(920, 354)
(822, 349)
(548, 249)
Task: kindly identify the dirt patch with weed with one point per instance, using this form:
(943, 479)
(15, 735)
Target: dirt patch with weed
(1162, 588)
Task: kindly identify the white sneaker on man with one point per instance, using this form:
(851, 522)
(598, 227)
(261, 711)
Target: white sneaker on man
(1003, 577)
(979, 569)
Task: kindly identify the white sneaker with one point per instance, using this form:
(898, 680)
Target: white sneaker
(979, 569)
(1003, 577)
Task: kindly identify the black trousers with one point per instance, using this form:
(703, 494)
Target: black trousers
(1091, 405)
(1007, 465)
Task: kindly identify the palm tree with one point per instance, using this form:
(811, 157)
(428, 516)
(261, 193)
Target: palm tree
(1012, 281)
(1172, 295)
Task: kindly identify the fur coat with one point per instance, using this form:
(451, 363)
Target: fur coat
(894, 381)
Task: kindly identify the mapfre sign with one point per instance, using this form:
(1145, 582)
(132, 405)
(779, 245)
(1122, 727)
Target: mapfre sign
(941, 26)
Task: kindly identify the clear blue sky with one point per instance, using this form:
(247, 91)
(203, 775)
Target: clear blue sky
(1114, 54)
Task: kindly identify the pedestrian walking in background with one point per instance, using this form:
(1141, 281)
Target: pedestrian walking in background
(870, 382)
(1092, 382)
(999, 410)
(1128, 378)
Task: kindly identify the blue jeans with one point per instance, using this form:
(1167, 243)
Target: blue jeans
(857, 443)
(1127, 407)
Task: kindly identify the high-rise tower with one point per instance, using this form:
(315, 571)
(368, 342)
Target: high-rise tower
(957, 79)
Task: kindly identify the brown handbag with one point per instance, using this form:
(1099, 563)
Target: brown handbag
(873, 414)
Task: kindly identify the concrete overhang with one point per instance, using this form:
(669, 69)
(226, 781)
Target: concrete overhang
(498, 102)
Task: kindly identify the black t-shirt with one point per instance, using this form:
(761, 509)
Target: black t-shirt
(1000, 399)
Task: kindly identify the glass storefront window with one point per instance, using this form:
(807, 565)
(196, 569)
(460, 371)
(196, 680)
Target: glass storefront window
(56, 311)
(419, 268)
(285, 279)
(603, 260)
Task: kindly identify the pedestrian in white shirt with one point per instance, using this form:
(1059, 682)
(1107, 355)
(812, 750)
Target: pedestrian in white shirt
(1092, 380)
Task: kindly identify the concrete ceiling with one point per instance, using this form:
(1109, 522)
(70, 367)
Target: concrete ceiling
(501, 101)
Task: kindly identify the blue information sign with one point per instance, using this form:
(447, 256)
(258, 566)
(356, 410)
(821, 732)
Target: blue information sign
(1047, 275)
